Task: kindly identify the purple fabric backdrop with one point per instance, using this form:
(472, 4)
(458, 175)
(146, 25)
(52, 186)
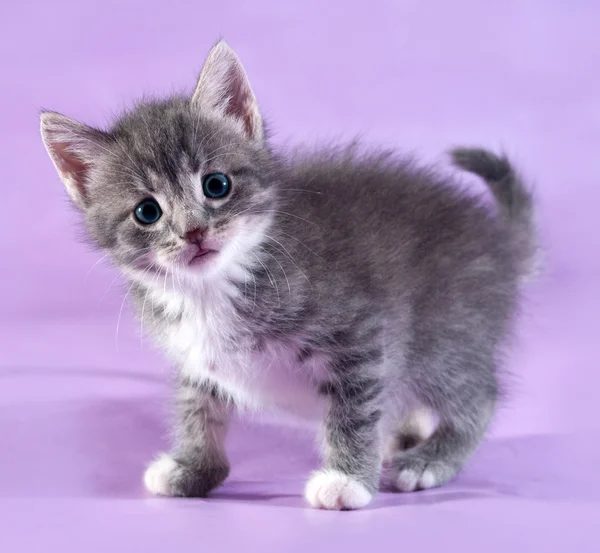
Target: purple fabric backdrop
(82, 411)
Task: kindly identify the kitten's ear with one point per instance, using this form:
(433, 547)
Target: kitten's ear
(223, 89)
(73, 148)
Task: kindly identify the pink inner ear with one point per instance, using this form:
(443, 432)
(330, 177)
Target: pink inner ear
(240, 100)
(69, 163)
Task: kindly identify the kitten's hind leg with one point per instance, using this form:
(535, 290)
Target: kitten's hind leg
(439, 458)
(413, 430)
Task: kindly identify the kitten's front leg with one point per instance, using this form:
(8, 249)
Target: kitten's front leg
(198, 462)
(352, 466)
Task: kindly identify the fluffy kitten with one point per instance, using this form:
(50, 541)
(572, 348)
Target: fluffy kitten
(355, 289)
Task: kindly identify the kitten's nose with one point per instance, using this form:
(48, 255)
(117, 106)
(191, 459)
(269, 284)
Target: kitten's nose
(195, 236)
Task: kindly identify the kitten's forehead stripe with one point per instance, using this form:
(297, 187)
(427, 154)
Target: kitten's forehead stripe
(243, 171)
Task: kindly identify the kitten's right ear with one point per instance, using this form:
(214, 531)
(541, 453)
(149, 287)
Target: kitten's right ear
(73, 148)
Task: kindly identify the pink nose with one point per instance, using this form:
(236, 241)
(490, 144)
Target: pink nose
(195, 236)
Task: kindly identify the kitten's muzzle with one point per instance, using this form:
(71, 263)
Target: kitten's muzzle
(201, 249)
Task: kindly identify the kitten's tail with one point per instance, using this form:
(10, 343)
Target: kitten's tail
(514, 200)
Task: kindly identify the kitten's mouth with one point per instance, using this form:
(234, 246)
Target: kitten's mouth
(202, 256)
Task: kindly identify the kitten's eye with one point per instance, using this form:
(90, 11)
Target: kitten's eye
(148, 212)
(216, 185)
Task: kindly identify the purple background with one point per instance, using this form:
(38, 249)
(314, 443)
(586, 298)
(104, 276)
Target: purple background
(82, 412)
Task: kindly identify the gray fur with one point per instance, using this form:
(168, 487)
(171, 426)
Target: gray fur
(391, 286)
(202, 421)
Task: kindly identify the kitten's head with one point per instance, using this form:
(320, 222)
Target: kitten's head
(182, 185)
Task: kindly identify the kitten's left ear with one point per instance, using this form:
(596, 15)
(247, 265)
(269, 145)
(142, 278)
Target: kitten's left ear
(223, 89)
(73, 148)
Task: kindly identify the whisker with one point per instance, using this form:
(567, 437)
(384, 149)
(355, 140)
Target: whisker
(212, 135)
(282, 269)
(120, 313)
(108, 289)
(301, 243)
(290, 257)
(179, 281)
(288, 214)
(149, 287)
(212, 158)
(133, 283)
(112, 154)
(165, 283)
(223, 147)
(299, 190)
(94, 265)
(271, 279)
(254, 300)
(136, 167)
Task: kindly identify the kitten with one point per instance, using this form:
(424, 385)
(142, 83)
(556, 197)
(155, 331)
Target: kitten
(354, 289)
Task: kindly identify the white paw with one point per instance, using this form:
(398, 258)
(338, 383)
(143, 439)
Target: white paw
(334, 490)
(410, 480)
(157, 475)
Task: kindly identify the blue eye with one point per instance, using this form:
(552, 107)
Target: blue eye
(148, 212)
(216, 185)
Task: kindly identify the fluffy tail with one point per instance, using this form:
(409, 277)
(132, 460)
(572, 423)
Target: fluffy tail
(514, 199)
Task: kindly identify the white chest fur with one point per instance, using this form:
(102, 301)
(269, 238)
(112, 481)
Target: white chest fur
(210, 342)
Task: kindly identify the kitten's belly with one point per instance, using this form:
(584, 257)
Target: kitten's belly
(270, 379)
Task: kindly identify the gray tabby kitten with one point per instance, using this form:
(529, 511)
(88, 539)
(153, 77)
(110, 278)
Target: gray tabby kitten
(353, 289)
